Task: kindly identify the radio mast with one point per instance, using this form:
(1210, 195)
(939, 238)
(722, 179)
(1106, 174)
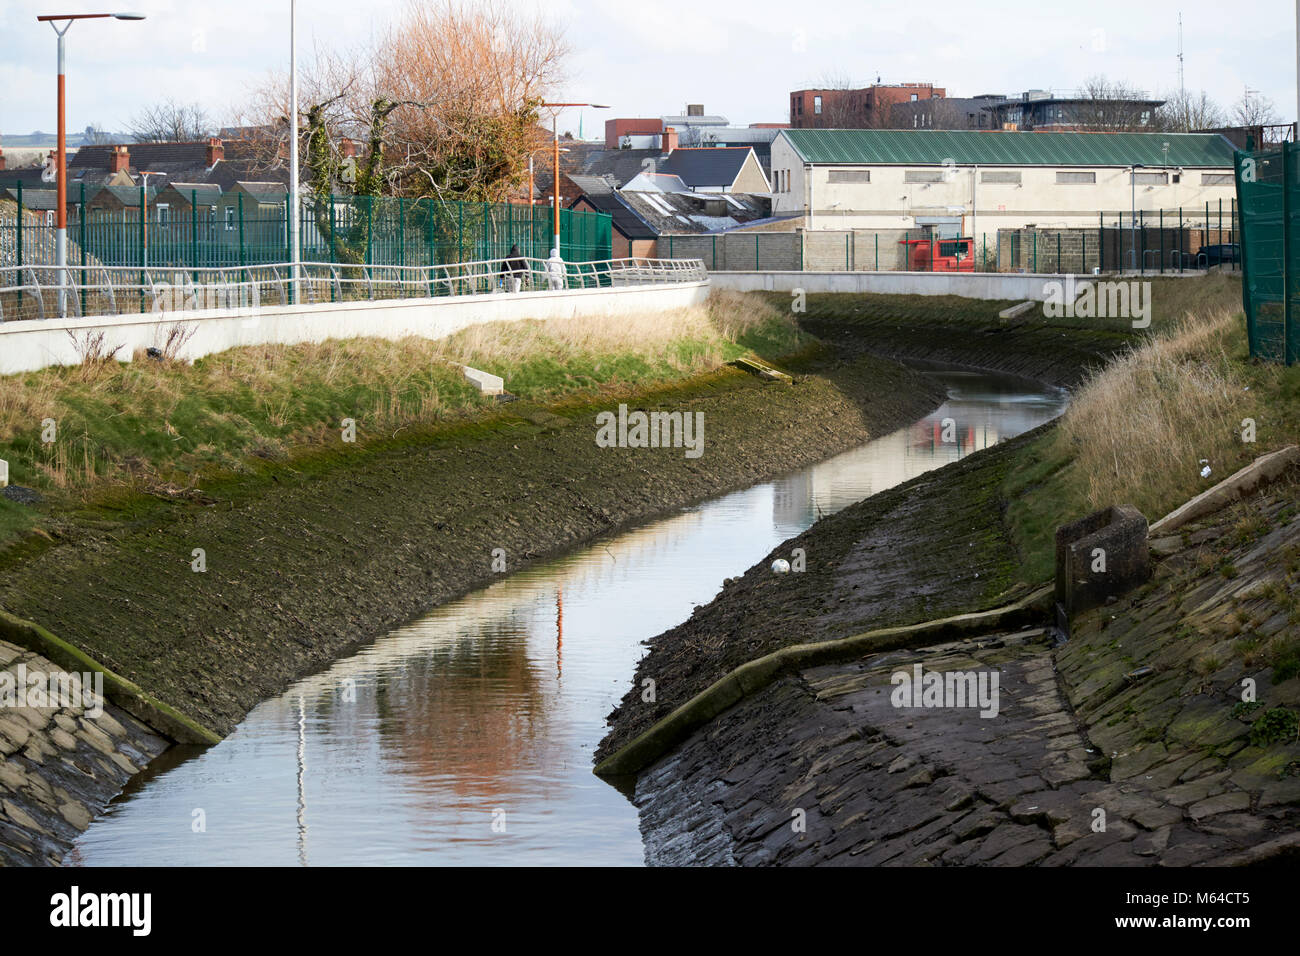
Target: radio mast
(1180, 52)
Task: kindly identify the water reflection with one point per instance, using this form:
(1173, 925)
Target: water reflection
(466, 737)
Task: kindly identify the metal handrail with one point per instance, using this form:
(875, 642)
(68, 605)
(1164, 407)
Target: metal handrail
(106, 289)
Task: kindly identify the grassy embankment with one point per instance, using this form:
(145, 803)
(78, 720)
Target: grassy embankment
(1140, 430)
(126, 431)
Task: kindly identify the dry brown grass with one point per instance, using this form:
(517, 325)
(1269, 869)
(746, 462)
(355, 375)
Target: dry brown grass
(143, 420)
(1140, 428)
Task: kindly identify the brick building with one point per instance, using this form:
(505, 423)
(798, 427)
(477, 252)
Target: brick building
(869, 108)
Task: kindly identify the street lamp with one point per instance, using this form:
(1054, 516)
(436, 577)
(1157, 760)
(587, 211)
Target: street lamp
(532, 177)
(295, 239)
(61, 172)
(555, 133)
(144, 211)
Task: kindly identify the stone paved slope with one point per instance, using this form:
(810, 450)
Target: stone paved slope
(59, 767)
(1138, 717)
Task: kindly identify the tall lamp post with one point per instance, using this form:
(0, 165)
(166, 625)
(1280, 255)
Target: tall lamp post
(61, 172)
(144, 210)
(295, 239)
(555, 133)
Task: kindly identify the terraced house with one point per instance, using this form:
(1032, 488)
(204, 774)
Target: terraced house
(975, 182)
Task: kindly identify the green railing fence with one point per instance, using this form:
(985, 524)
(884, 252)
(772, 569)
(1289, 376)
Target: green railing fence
(1268, 191)
(240, 230)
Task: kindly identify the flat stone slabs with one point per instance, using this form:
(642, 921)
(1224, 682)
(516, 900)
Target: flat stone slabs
(825, 768)
(59, 766)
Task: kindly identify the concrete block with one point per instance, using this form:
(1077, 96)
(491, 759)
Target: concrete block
(1101, 556)
(1018, 310)
(4, 473)
(485, 382)
(1259, 472)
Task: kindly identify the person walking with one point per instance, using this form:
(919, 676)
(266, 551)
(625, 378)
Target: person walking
(555, 272)
(513, 268)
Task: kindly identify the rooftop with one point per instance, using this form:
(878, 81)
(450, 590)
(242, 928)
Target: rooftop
(998, 148)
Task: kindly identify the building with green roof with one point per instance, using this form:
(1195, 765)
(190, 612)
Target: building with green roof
(974, 182)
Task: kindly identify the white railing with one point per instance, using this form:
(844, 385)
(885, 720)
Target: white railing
(44, 292)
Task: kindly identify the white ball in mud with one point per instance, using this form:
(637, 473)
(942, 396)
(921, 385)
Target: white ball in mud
(780, 566)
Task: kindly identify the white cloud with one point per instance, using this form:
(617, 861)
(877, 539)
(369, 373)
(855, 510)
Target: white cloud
(649, 57)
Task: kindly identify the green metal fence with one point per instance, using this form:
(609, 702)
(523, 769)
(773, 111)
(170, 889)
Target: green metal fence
(1268, 191)
(242, 231)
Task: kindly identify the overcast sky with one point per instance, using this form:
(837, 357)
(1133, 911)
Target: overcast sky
(739, 58)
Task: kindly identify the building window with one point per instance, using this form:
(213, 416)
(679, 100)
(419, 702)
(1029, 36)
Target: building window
(817, 105)
(161, 209)
(1217, 179)
(914, 98)
(230, 218)
(1150, 179)
(923, 176)
(1000, 177)
(1076, 178)
(849, 176)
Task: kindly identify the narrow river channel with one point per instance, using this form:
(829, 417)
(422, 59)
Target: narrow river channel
(466, 737)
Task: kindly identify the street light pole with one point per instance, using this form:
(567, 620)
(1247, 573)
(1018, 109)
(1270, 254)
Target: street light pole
(555, 191)
(555, 134)
(295, 239)
(144, 213)
(61, 172)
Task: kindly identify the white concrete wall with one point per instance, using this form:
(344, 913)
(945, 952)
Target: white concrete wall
(32, 344)
(1009, 287)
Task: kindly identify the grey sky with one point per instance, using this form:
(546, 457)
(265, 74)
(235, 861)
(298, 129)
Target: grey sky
(650, 57)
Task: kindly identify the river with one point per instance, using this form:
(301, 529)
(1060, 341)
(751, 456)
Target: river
(466, 737)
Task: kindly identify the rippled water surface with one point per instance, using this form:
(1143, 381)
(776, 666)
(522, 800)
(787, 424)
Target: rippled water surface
(466, 737)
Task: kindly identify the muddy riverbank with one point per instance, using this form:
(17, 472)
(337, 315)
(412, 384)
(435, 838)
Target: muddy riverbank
(1130, 745)
(1139, 725)
(934, 546)
(333, 557)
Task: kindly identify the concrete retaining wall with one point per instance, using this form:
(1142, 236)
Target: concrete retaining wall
(1018, 287)
(33, 344)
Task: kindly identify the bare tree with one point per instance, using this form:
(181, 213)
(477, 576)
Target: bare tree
(483, 70)
(170, 122)
(933, 113)
(845, 106)
(1112, 106)
(96, 135)
(1254, 109)
(446, 104)
(1187, 112)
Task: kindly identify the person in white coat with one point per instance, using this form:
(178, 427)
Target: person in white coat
(555, 274)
